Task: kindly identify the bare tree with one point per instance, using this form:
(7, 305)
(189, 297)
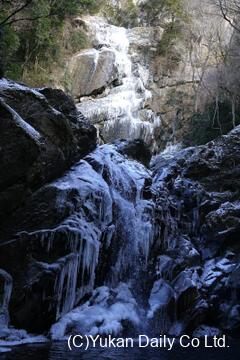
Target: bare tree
(230, 10)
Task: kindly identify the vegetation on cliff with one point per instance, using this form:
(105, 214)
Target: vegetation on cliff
(37, 38)
(36, 34)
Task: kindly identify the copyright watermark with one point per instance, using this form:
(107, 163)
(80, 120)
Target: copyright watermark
(86, 342)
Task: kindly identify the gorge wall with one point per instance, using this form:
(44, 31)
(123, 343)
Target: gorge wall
(156, 72)
(114, 245)
(100, 231)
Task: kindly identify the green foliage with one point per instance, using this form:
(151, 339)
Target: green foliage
(76, 41)
(170, 14)
(38, 75)
(167, 45)
(33, 38)
(10, 41)
(200, 131)
(163, 8)
(91, 6)
(41, 39)
(127, 15)
(205, 126)
(172, 32)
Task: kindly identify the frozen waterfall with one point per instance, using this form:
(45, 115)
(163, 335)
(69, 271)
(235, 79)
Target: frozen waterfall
(6, 290)
(120, 108)
(108, 211)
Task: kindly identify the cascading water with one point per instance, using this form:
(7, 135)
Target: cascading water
(128, 228)
(123, 252)
(122, 107)
(109, 215)
(116, 252)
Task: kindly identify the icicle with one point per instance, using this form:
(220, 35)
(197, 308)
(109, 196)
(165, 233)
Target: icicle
(109, 204)
(6, 279)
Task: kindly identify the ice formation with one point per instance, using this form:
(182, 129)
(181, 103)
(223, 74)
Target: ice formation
(109, 211)
(6, 282)
(111, 187)
(121, 108)
(101, 315)
(8, 335)
(21, 123)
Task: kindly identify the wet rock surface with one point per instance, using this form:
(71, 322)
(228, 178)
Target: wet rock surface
(91, 71)
(110, 84)
(40, 138)
(136, 150)
(63, 234)
(161, 243)
(200, 225)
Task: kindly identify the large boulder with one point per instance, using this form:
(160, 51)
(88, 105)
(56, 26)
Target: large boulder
(40, 138)
(91, 71)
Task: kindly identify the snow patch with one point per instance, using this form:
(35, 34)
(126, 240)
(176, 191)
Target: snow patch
(21, 123)
(102, 314)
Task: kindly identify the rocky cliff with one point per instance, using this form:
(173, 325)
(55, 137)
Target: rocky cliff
(157, 73)
(113, 245)
(40, 138)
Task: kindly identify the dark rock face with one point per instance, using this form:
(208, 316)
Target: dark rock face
(1, 54)
(39, 139)
(135, 149)
(173, 231)
(62, 228)
(197, 212)
(1, 70)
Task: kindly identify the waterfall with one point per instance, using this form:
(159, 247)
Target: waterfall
(127, 227)
(122, 108)
(124, 253)
(108, 211)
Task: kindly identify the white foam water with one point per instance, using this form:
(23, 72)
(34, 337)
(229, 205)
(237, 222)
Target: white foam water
(120, 107)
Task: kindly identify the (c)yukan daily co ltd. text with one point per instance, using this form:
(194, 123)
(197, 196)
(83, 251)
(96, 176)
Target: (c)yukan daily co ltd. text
(86, 342)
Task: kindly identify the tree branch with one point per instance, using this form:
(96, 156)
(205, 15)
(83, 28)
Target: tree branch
(225, 16)
(32, 18)
(5, 21)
